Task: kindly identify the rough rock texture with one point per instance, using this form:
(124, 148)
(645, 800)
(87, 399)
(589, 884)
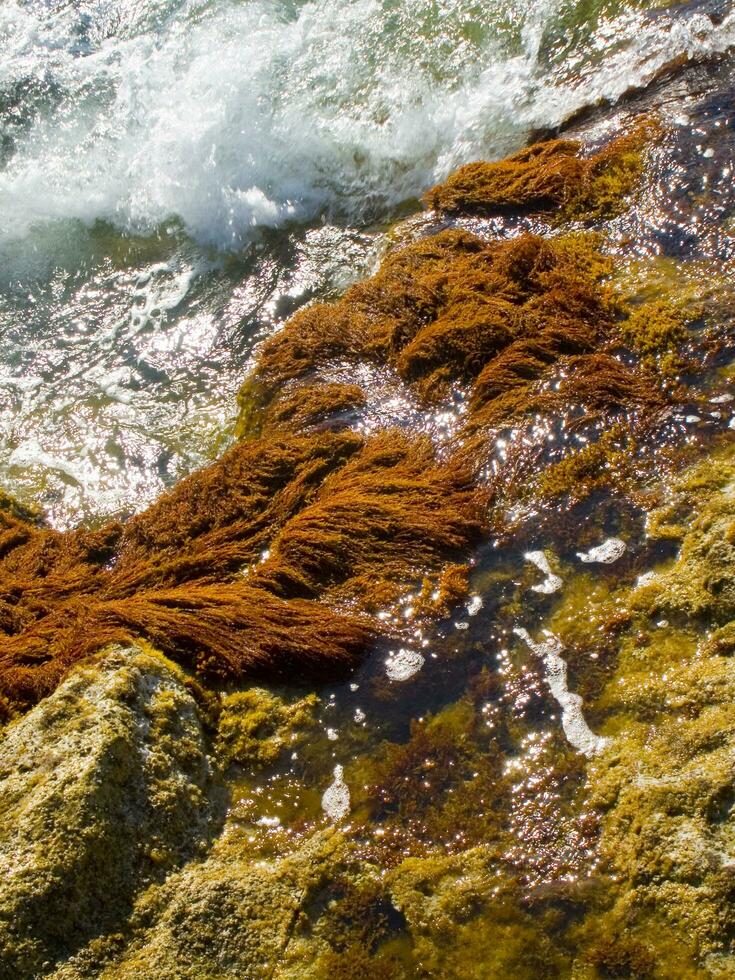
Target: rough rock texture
(103, 787)
(666, 785)
(226, 916)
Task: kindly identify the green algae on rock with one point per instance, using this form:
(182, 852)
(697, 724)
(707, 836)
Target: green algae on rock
(104, 788)
(223, 917)
(665, 785)
(256, 726)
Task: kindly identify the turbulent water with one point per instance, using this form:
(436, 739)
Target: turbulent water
(177, 176)
(228, 116)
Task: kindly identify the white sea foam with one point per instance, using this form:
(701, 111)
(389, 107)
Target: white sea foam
(573, 721)
(605, 554)
(403, 664)
(336, 797)
(230, 116)
(474, 605)
(552, 583)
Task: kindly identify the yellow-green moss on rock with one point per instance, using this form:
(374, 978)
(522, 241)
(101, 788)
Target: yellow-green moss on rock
(256, 725)
(104, 787)
(666, 784)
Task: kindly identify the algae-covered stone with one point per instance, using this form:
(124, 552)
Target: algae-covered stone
(256, 725)
(666, 785)
(701, 512)
(226, 916)
(103, 787)
(465, 921)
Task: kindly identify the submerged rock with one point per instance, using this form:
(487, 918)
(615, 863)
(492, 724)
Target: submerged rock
(256, 726)
(104, 787)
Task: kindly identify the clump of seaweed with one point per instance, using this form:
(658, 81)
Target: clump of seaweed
(659, 326)
(298, 407)
(279, 553)
(604, 463)
(659, 331)
(446, 306)
(550, 176)
(389, 509)
(189, 574)
(622, 957)
(406, 780)
(523, 324)
(305, 406)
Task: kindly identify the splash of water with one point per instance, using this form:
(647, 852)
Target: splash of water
(233, 116)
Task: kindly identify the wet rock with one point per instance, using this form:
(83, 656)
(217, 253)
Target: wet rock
(700, 513)
(666, 784)
(256, 726)
(226, 916)
(465, 921)
(104, 787)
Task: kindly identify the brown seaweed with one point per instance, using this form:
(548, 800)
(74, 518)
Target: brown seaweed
(188, 574)
(275, 556)
(553, 175)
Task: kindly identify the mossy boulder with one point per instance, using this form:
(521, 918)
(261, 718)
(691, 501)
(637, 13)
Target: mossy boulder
(224, 917)
(666, 784)
(104, 787)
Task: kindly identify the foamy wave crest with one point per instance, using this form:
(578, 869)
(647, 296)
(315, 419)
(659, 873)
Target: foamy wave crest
(228, 116)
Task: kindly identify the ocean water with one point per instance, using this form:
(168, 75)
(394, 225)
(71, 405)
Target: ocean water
(177, 176)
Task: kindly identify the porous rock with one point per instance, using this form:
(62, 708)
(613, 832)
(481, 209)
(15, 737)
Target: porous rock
(104, 787)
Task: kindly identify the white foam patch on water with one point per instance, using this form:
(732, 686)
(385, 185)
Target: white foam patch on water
(336, 797)
(573, 722)
(31, 453)
(474, 605)
(604, 554)
(271, 822)
(233, 116)
(403, 664)
(552, 583)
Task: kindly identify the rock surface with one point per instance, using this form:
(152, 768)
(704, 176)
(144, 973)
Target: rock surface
(667, 785)
(118, 861)
(104, 787)
(225, 917)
